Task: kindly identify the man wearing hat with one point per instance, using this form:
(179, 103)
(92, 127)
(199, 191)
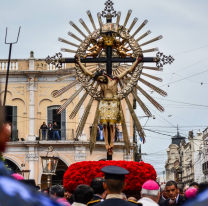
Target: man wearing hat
(150, 193)
(114, 184)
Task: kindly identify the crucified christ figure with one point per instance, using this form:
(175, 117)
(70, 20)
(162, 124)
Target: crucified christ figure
(109, 108)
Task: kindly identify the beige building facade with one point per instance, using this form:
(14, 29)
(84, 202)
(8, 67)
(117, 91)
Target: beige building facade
(184, 163)
(29, 103)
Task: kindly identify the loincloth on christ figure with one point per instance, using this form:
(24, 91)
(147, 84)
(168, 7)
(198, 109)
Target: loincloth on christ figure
(110, 111)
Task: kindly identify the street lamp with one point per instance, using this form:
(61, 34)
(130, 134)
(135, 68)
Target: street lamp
(49, 164)
(24, 173)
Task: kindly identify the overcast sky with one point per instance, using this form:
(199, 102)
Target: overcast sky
(184, 27)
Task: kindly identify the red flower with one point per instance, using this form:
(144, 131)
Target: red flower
(84, 172)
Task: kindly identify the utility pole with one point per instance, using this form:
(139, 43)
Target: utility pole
(164, 176)
(8, 65)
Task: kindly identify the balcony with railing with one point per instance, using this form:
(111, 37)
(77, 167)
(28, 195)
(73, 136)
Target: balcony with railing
(56, 135)
(23, 65)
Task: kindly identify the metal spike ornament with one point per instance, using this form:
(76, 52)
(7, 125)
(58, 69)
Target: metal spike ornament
(110, 56)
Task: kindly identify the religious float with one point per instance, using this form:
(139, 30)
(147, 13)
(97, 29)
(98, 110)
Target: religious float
(83, 172)
(109, 63)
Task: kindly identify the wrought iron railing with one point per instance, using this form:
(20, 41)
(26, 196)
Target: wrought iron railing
(55, 135)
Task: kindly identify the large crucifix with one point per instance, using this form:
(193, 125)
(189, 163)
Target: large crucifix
(108, 39)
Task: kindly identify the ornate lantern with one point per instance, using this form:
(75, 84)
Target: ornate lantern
(49, 164)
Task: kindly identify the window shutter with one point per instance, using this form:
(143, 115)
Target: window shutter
(63, 125)
(14, 124)
(50, 115)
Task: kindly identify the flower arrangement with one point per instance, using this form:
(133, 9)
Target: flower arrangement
(83, 172)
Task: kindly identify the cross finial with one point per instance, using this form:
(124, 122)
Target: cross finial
(109, 10)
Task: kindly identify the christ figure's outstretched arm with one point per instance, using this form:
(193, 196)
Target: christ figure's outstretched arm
(87, 72)
(131, 68)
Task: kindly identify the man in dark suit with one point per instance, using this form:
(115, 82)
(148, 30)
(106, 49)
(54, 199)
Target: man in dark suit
(174, 199)
(163, 195)
(97, 185)
(114, 184)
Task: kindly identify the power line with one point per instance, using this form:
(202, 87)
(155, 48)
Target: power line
(185, 78)
(190, 50)
(199, 105)
(192, 65)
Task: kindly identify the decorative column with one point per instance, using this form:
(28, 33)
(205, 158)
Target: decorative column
(32, 157)
(31, 87)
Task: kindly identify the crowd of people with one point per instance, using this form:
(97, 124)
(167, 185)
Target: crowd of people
(107, 191)
(50, 131)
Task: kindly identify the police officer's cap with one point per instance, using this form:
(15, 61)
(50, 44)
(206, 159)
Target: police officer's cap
(114, 172)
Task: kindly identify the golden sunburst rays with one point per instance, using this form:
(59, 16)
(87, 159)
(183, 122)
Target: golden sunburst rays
(155, 103)
(68, 50)
(150, 50)
(64, 106)
(152, 77)
(125, 134)
(91, 19)
(72, 71)
(118, 17)
(84, 25)
(141, 104)
(66, 77)
(64, 89)
(77, 28)
(143, 35)
(127, 18)
(140, 27)
(84, 116)
(134, 117)
(99, 19)
(93, 133)
(153, 68)
(78, 106)
(153, 87)
(123, 67)
(74, 36)
(67, 42)
(152, 40)
(133, 23)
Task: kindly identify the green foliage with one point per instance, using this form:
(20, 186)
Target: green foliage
(3, 160)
